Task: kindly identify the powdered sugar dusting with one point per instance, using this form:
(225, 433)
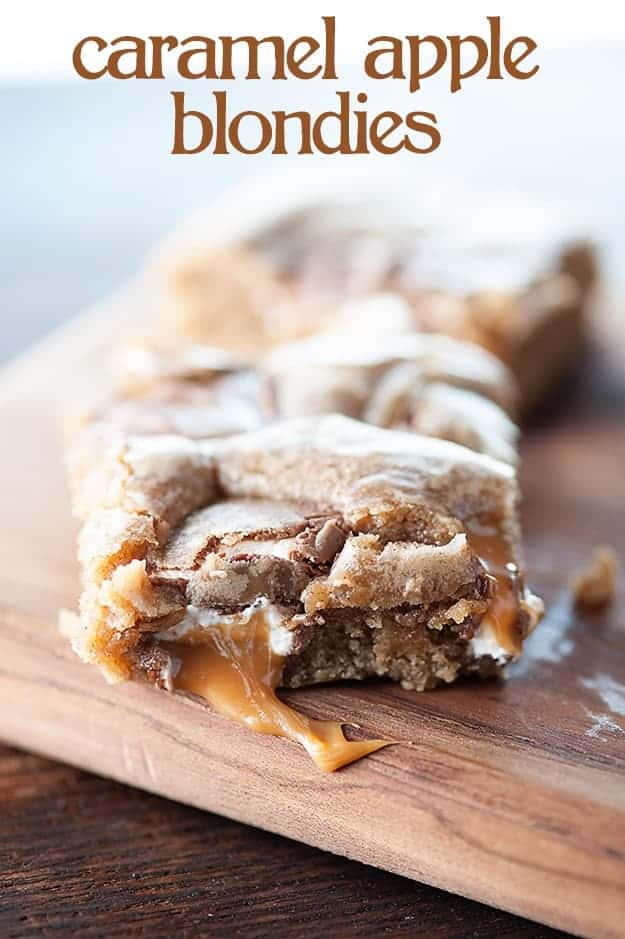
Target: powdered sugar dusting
(612, 693)
(602, 723)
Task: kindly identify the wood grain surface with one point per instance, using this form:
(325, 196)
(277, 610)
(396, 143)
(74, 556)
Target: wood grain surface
(511, 793)
(89, 857)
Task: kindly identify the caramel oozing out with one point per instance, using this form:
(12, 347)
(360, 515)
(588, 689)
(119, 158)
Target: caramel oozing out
(502, 615)
(235, 669)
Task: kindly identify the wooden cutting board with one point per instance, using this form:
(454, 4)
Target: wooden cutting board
(511, 793)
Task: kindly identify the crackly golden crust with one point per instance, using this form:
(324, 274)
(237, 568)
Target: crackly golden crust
(193, 390)
(431, 384)
(331, 520)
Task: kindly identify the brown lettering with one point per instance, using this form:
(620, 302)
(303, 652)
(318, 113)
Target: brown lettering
(329, 25)
(510, 64)
(180, 117)
(495, 46)
(221, 122)
(293, 63)
(379, 136)
(265, 136)
(136, 54)
(455, 45)
(160, 43)
(253, 45)
(394, 49)
(78, 63)
(206, 55)
(413, 122)
(361, 125)
(281, 118)
(415, 43)
(342, 117)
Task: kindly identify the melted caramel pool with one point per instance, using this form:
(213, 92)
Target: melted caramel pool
(502, 615)
(235, 669)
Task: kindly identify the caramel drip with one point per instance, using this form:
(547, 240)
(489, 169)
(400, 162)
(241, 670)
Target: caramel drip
(235, 669)
(502, 615)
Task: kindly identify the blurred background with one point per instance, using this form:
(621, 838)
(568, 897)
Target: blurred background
(89, 185)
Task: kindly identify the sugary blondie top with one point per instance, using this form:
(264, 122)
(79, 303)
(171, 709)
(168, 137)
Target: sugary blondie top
(524, 300)
(289, 276)
(195, 390)
(429, 384)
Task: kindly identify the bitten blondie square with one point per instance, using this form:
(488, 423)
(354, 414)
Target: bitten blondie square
(308, 551)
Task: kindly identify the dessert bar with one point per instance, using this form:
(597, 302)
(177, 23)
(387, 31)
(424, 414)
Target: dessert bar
(429, 384)
(524, 301)
(307, 551)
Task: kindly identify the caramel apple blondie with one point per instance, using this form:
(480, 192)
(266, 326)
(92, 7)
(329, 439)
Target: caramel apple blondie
(290, 278)
(307, 551)
(426, 383)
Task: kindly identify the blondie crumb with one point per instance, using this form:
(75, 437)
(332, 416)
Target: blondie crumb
(594, 586)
